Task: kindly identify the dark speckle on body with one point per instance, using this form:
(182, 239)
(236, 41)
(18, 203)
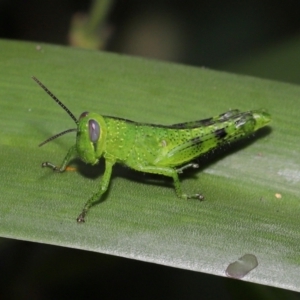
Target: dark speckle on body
(220, 133)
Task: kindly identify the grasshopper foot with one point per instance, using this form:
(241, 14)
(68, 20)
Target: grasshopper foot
(80, 218)
(50, 165)
(196, 196)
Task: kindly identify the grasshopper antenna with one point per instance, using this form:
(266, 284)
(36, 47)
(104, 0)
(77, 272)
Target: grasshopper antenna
(55, 99)
(56, 136)
(61, 105)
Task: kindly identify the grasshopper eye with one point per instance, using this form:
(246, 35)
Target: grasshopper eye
(84, 114)
(94, 131)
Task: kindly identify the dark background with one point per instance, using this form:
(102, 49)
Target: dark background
(215, 34)
(202, 33)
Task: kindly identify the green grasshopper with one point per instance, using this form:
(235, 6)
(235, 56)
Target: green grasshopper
(149, 148)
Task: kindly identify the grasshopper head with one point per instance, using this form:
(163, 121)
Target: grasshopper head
(91, 133)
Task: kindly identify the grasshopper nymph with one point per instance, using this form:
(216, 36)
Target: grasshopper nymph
(158, 149)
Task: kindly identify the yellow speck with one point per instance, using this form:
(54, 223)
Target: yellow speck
(278, 196)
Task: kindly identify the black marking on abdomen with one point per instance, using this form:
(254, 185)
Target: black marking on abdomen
(229, 114)
(220, 133)
(196, 140)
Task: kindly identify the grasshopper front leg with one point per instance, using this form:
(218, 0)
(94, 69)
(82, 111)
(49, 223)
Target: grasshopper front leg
(71, 153)
(103, 187)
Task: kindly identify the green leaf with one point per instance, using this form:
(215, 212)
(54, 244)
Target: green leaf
(140, 217)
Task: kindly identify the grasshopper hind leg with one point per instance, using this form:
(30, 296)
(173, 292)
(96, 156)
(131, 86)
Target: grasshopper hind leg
(178, 186)
(172, 172)
(179, 171)
(191, 165)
